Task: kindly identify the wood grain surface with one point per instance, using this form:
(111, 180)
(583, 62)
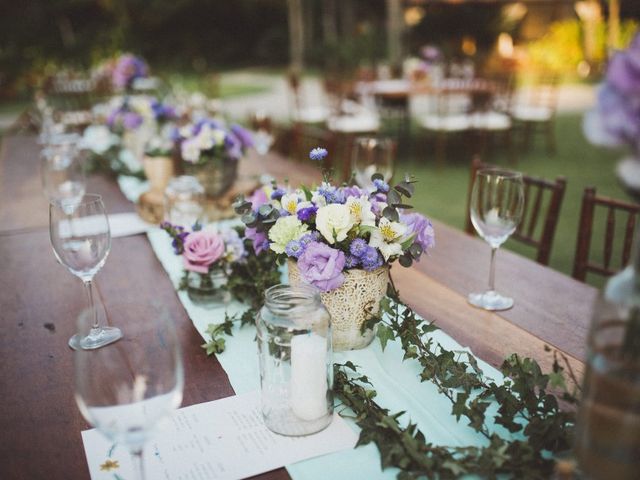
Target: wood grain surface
(40, 299)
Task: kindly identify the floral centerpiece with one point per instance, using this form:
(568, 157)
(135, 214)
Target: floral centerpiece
(210, 151)
(207, 256)
(615, 120)
(341, 240)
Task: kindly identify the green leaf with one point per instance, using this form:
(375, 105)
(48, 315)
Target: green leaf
(391, 214)
(384, 335)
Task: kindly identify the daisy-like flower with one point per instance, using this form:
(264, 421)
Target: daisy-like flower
(387, 238)
(318, 154)
(289, 202)
(361, 211)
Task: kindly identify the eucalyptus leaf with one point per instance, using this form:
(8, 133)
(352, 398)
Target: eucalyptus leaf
(391, 214)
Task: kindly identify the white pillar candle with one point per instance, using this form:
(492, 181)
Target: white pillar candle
(309, 376)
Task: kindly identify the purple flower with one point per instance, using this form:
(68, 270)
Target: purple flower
(624, 69)
(331, 194)
(259, 240)
(381, 185)
(358, 247)
(321, 266)
(131, 120)
(352, 191)
(351, 262)
(305, 214)
(294, 249)
(162, 112)
(233, 146)
(431, 53)
(246, 139)
(127, 69)
(278, 193)
(318, 154)
(371, 259)
(422, 229)
(258, 198)
(307, 238)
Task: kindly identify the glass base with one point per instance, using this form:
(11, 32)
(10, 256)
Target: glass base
(490, 300)
(104, 336)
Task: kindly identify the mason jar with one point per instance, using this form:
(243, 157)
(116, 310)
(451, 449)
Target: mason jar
(184, 201)
(207, 289)
(296, 368)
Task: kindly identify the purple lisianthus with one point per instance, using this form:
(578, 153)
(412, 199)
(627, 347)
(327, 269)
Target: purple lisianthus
(245, 137)
(422, 229)
(161, 112)
(381, 185)
(305, 213)
(352, 191)
(294, 248)
(371, 259)
(258, 239)
(258, 198)
(358, 247)
(321, 266)
(318, 154)
(624, 69)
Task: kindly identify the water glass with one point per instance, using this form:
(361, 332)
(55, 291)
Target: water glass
(372, 155)
(62, 170)
(497, 202)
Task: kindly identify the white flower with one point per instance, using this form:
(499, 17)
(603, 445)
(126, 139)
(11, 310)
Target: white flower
(205, 138)
(185, 132)
(361, 211)
(334, 222)
(291, 201)
(98, 139)
(387, 237)
(284, 230)
(219, 136)
(318, 199)
(190, 150)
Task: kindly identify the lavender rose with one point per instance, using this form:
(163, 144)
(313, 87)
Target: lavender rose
(422, 229)
(201, 250)
(321, 266)
(624, 69)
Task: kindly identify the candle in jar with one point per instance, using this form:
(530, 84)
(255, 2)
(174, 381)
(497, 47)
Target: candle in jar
(309, 376)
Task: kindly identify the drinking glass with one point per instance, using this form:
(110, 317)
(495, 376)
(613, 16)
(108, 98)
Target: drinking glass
(81, 241)
(62, 172)
(497, 202)
(127, 389)
(184, 201)
(372, 155)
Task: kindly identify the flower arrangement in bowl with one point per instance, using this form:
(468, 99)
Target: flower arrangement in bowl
(615, 120)
(210, 151)
(341, 240)
(208, 256)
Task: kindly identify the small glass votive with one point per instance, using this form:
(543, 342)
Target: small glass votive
(184, 201)
(296, 368)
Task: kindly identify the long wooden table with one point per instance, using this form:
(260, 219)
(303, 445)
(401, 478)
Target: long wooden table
(39, 301)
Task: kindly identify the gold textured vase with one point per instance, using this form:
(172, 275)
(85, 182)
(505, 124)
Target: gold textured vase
(351, 304)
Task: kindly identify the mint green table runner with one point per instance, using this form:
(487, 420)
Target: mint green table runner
(396, 382)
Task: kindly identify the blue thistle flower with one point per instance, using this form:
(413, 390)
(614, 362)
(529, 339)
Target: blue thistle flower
(294, 249)
(351, 261)
(318, 154)
(371, 259)
(381, 185)
(358, 247)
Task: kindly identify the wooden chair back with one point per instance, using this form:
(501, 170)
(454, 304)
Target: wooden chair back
(538, 225)
(605, 266)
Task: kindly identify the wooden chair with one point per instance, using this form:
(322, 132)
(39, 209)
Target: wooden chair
(582, 263)
(534, 218)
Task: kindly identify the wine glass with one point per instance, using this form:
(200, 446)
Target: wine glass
(126, 389)
(372, 155)
(81, 240)
(61, 170)
(497, 202)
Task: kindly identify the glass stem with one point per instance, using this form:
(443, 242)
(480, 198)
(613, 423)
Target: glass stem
(492, 270)
(138, 463)
(88, 288)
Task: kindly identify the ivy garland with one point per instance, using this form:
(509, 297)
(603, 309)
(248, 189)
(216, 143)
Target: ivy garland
(529, 402)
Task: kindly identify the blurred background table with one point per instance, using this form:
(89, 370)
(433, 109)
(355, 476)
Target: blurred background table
(39, 302)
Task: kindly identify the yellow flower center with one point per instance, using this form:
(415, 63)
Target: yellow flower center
(291, 206)
(388, 233)
(356, 210)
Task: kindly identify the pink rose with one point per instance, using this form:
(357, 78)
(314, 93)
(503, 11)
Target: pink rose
(202, 249)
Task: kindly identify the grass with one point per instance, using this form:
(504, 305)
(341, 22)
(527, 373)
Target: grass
(441, 192)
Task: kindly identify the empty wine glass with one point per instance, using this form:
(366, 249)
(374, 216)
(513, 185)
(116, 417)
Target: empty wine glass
(126, 389)
(372, 155)
(497, 201)
(81, 241)
(62, 171)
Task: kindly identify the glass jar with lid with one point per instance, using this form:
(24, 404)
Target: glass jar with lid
(296, 369)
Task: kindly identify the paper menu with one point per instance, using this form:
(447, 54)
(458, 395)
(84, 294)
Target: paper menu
(223, 439)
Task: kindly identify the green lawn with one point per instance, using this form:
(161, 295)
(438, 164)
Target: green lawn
(441, 193)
